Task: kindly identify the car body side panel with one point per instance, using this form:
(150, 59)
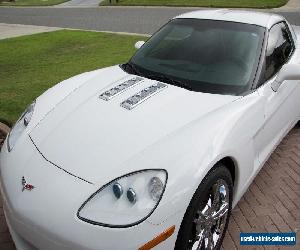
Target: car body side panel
(282, 110)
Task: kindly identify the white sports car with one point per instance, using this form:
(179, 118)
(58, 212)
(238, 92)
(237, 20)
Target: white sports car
(154, 153)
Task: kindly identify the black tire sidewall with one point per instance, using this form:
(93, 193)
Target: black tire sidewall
(219, 171)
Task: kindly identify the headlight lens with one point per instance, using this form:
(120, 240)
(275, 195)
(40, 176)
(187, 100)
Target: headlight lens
(126, 201)
(20, 126)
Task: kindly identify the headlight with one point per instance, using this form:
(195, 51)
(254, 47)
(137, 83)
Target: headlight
(126, 201)
(20, 126)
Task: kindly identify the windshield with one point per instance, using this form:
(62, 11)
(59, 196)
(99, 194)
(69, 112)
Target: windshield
(202, 55)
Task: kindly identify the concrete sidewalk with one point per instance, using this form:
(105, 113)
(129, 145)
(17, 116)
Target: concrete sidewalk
(14, 30)
(292, 5)
(80, 3)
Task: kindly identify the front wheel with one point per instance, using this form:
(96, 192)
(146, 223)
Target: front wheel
(206, 220)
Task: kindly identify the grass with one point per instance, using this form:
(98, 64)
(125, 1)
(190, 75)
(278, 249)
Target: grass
(203, 3)
(32, 64)
(31, 2)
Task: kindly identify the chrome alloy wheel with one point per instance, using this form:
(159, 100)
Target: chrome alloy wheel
(210, 220)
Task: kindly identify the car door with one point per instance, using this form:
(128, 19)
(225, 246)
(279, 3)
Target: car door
(281, 107)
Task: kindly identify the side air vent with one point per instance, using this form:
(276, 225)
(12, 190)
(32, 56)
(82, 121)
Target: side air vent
(109, 94)
(141, 96)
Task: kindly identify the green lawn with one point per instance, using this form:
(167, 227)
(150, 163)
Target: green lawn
(205, 3)
(32, 64)
(31, 2)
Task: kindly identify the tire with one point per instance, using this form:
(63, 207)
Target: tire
(218, 178)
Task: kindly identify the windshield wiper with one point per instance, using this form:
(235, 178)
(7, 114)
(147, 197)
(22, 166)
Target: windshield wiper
(132, 68)
(167, 79)
(159, 77)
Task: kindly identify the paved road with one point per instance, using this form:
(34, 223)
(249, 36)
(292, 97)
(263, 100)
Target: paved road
(131, 19)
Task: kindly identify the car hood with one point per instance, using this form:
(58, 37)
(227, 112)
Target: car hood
(93, 138)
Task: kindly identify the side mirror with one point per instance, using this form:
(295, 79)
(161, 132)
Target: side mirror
(288, 72)
(139, 44)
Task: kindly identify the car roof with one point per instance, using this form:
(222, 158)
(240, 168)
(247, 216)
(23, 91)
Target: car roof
(241, 16)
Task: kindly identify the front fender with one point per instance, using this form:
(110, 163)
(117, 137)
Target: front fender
(189, 154)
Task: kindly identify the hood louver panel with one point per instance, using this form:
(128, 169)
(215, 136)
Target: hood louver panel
(141, 96)
(109, 94)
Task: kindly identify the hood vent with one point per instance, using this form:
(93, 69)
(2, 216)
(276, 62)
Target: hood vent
(141, 96)
(109, 94)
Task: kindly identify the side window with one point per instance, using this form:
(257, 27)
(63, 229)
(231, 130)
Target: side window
(279, 49)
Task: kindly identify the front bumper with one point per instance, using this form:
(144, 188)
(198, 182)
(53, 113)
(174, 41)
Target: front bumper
(45, 218)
